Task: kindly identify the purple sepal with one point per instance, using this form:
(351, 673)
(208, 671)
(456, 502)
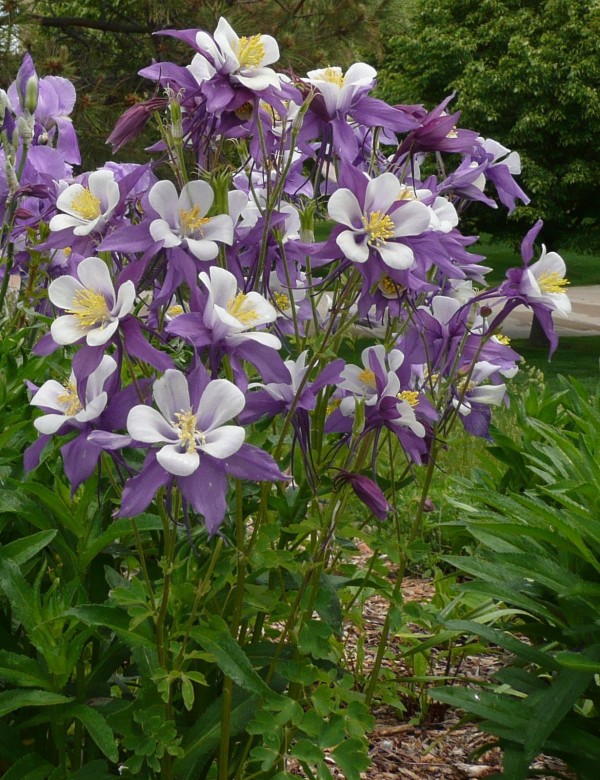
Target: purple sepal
(529, 240)
(206, 491)
(255, 464)
(109, 441)
(139, 491)
(33, 453)
(80, 458)
(367, 491)
(128, 238)
(136, 345)
(45, 346)
(477, 423)
(330, 375)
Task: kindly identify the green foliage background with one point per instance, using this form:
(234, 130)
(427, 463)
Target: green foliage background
(526, 73)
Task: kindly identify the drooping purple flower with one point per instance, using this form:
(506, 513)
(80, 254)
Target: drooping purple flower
(367, 491)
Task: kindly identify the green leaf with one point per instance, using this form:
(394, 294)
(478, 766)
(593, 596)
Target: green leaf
(97, 728)
(117, 530)
(352, 757)
(30, 767)
(509, 712)
(22, 550)
(95, 770)
(22, 671)
(15, 699)
(305, 750)
(215, 638)
(577, 661)
(20, 594)
(116, 620)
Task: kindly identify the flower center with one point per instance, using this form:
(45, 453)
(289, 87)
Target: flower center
(379, 227)
(89, 307)
(86, 205)
(237, 308)
(333, 76)
(503, 339)
(191, 221)
(368, 377)
(175, 310)
(282, 301)
(552, 282)
(70, 400)
(410, 396)
(189, 436)
(406, 193)
(453, 133)
(251, 51)
(389, 288)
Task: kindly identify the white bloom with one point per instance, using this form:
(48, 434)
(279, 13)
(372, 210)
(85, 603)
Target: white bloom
(183, 219)
(93, 309)
(230, 314)
(87, 208)
(66, 401)
(382, 219)
(478, 392)
(189, 431)
(338, 88)
(545, 281)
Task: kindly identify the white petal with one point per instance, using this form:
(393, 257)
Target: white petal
(411, 218)
(271, 50)
(171, 394)
(67, 330)
(258, 79)
(219, 228)
(63, 221)
(48, 394)
(125, 300)
(224, 441)
(396, 255)
(96, 380)
(147, 425)
(343, 207)
(94, 274)
(492, 395)
(66, 198)
(62, 291)
(360, 74)
(222, 285)
(352, 249)
(160, 230)
(381, 193)
(221, 401)
(49, 423)
(196, 193)
(93, 409)
(164, 200)
(202, 249)
(98, 336)
(267, 339)
(181, 464)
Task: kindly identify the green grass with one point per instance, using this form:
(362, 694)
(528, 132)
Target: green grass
(575, 356)
(581, 269)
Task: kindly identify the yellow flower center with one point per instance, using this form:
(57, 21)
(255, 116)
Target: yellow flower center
(410, 396)
(389, 287)
(89, 307)
(86, 205)
(552, 282)
(189, 436)
(332, 405)
(70, 400)
(67, 251)
(406, 193)
(282, 301)
(368, 377)
(503, 339)
(236, 307)
(175, 310)
(333, 76)
(251, 51)
(191, 221)
(379, 227)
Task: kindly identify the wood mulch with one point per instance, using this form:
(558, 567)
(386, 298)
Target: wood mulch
(442, 747)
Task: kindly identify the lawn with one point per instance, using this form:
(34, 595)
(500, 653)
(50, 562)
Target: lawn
(575, 356)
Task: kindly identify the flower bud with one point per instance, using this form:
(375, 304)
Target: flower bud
(27, 85)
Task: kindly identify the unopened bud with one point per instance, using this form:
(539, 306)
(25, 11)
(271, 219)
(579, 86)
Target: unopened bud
(27, 85)
(485, 311)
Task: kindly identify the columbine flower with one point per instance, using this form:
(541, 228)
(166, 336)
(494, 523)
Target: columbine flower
(545, 281)
(338, 88)
(242, 59)
(189, 430)
(183, 219)
(66, 402)
(93, 309)
(231, 314)
(375, 225)
(87, 209)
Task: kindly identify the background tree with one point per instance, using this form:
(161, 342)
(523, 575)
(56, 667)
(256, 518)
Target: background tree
(526, 73)
(101, 44)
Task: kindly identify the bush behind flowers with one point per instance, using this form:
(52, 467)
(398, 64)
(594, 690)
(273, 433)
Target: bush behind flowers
(231, 400)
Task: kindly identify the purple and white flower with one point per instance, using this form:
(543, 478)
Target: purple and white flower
(93, 308)
(87, 209)
(183, 220)
(66, 403)
(188, 430)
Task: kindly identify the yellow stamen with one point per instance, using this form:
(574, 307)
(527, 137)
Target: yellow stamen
(453, 133)
(406, 193)
(189, 436)
(379, 227)
(67, 251)
(235, 307)
(244, 112)
(86, 205)
(191, 221)
(552, 282)
(251, 51)
(333, 405)
(503, 339)
(175, 310)
(333, 76)
(389, 287)
(70, 400)
(282, 301)
(89, 307)
(410, 396)
(368, 377)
